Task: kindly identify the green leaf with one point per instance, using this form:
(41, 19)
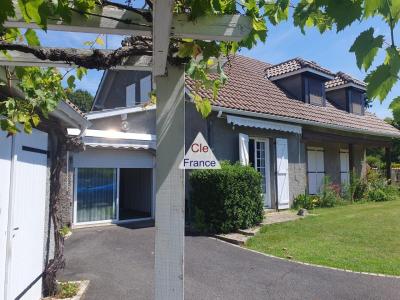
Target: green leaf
(382, 79)
(203, 106)
(80, 72)
(365, 47)
(7, 10)
(71, 82)
(34, 10)
(99, 41)
(371, 6)
(35, 120)
(28, 127)
(344, 12)
(31, 37)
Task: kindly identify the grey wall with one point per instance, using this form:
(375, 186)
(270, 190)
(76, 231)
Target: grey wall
(139, 122)
(223, 139)
(338, 98)
(292, 85)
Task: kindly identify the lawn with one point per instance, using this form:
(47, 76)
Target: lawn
(360, 237)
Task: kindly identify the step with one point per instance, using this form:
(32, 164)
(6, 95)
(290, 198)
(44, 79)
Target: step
(250, 231)
(233, 238)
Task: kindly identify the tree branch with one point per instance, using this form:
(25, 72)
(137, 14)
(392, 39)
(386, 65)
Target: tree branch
(90, 59)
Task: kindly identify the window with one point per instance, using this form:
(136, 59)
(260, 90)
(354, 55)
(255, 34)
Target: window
(316, 91)
(96, 194)
(344, 166)
(145, 89)
(356, 102)
(316, 169)
(130, 95)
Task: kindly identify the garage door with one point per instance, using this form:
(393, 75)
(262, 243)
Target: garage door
(26, 216)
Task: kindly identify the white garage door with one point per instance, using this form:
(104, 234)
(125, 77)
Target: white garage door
(26, 216)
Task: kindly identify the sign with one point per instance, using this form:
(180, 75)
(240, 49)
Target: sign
(199, 156)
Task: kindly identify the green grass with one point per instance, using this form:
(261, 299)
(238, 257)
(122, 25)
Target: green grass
(360, 237)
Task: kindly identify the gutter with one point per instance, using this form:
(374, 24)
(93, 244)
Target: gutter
(71, 117)
(298, 121)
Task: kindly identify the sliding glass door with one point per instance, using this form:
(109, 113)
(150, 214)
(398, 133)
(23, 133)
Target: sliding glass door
(96, 194)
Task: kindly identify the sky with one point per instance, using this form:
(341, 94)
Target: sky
(284, 41)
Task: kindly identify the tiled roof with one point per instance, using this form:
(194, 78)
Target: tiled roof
(342, 79)
(74, 107)
(293, 65)
(248, 90)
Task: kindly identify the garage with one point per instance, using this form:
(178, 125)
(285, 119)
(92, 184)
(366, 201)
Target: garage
(23, 198)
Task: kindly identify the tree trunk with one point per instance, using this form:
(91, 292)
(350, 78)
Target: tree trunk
(59, 144)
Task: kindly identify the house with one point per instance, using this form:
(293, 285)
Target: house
(26, 231)
(295, 122)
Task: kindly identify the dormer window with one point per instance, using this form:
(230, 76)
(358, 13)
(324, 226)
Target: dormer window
(314, 91)
(302, 79)
(346, 93)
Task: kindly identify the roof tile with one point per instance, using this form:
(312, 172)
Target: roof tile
(247, 89)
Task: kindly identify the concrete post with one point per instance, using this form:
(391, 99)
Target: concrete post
(170, 186)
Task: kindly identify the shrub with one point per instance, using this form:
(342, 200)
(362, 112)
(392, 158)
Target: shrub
(305, 201)
(67, 289)
(374, 162)
(226, 200)
(330, 194)
(378, 188)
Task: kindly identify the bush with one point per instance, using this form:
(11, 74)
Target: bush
(305, 201)
(374, 162)
(67, 289)
(378, 188)
(226, 200)
(330, 194)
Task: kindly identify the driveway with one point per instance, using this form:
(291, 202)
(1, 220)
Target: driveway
(119, 263)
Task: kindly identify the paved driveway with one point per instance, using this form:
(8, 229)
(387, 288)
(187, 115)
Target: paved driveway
(119, 263)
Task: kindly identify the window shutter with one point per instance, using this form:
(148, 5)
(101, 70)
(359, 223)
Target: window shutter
(130, 95)
(344, 167)
(282, 173)
(244, 149)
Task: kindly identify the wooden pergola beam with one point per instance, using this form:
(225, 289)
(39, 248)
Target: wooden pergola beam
(112, 20)
(138, 63)
(161, 34)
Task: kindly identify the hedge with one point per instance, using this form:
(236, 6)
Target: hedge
(226, 200)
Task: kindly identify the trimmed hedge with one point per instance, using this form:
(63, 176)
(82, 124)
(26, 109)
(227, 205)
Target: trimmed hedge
(226, 200)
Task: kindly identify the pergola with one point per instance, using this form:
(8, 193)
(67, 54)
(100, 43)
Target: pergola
(169, 82)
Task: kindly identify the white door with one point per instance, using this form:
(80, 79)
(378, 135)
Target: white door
(316, 169)
(5, 169)
(261, 164)
(344, 167)
(282, 173)
(25, 260)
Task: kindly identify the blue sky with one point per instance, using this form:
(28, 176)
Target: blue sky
(284, 41)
